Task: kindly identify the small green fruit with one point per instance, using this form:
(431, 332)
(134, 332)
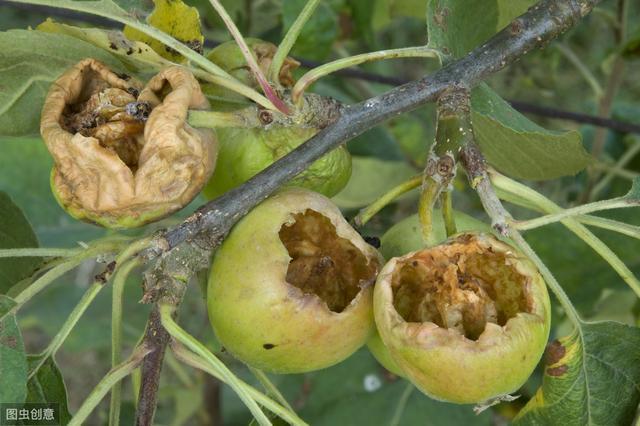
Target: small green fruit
(466, 321)
(290, 287)
(245, 152)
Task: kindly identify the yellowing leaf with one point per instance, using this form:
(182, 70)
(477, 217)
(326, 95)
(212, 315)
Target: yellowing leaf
(591, 378)
(175, 18)
(137, 54)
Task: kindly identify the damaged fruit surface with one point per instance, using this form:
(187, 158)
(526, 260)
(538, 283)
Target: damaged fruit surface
(403, 237)
(123, 156)
(466, 321)
(290, 288)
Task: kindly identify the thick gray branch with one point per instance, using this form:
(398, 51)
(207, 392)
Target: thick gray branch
(534, 29)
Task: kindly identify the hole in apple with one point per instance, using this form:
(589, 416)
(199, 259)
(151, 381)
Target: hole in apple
(323, 263)
(105, 113)
(461, 285)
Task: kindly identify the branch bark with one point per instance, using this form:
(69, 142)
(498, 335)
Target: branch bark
(166, 282)
(534, 29)
(156, 339)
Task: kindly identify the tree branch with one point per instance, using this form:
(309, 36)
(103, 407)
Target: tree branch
(534, 29)
(156, 339)
(166, 282)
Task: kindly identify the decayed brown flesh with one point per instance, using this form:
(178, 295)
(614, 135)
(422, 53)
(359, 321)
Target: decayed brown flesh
(323, 263)
(462, 285)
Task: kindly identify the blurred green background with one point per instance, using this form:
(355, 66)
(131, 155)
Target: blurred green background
(358, 391)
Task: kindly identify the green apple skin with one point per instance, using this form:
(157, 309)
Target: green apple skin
(245, 152)
(381, 353)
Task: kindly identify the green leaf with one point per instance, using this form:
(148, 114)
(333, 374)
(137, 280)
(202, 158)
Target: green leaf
(616, 305)
(369, 16)
(518, 147)
(135, 54)
(31, 60)
(457, 26)
(591, 378)
(410, 8)
(319, 33)
(25, 166)
(47, 386)
(386, 146)
(511, 142)
(175, 18)
(370, 179)
(13, 360)
(413, 138)
(509, 9)
(15, 232)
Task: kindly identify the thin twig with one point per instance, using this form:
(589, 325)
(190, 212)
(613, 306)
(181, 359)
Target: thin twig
(543, 111)
(165, 283)
(156, 340)
(453, 132)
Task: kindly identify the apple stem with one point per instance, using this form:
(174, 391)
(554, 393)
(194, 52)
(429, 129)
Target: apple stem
(446, 201)
(368, 212)
(251, 60)
(290, 38)
(453, 132)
